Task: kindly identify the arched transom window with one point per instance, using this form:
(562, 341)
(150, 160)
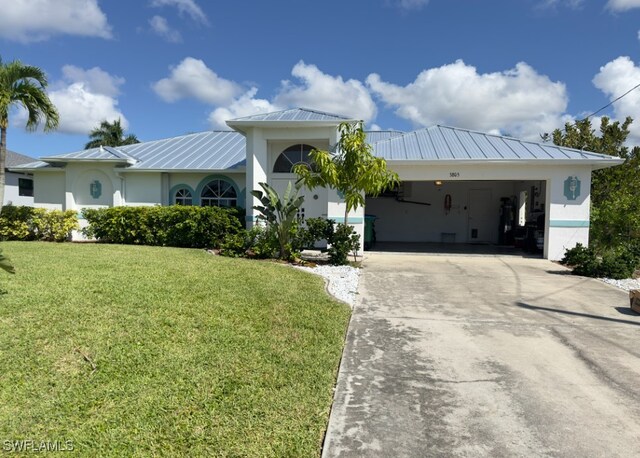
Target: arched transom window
(219, 193)
(294, 155)
(183, 197)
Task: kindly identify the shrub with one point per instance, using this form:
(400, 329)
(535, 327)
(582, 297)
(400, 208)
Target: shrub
(55, 225)
(28, 223)
(264, 242)
(180, 226)
(235, 245)
(315, 229)
(344, 240)
(618, 263)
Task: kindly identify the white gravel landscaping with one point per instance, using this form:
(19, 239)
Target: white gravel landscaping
(343, 281)
(627, 284)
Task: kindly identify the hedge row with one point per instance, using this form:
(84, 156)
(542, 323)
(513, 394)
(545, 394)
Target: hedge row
(28, 223)
(177, 225)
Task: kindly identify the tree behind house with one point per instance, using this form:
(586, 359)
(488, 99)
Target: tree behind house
(615, 191)
(110, 134)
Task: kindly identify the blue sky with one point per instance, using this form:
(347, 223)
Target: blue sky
(168, 67)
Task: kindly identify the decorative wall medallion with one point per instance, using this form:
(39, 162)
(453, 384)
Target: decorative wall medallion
(572, 188)
(95, 188)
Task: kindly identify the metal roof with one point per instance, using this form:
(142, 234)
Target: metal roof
(441, 143)
(294, 114)
(217, 150)
(100, 153)
(13, 159)
(212, 150)
(31, 165)
(374, 136)
(226, 150)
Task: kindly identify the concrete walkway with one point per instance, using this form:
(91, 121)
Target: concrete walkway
(486, 356)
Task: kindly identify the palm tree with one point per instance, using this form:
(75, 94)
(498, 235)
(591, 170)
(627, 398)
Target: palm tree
(110, 134)
(23, 85)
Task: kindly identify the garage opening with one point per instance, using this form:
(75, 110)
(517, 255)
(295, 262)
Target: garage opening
(474, 216)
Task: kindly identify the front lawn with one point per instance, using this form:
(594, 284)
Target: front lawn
(138, 351)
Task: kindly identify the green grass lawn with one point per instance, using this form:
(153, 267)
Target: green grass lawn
(194, 354)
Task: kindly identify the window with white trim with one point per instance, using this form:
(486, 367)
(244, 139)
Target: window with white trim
(292, 156)
(183, 197)
(219, 193)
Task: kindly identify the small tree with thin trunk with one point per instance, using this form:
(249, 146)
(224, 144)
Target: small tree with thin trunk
(23, 85)
(352, 169)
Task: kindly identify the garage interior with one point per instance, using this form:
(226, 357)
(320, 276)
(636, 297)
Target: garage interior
(459, 216)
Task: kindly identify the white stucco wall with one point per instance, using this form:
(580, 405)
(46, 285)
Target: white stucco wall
(265, 144)
(48, 189)
(11, 190)
(143, 189)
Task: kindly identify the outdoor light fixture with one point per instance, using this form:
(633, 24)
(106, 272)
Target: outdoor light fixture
(438, 183)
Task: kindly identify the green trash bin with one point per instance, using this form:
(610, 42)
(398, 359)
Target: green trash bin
(369, 231)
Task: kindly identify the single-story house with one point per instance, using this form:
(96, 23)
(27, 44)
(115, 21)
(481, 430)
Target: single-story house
(18, 186)
(458, 185)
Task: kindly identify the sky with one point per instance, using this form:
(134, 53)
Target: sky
(171, 67)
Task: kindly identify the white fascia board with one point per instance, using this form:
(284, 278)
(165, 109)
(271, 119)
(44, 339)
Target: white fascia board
(130, 170)
(597, 163)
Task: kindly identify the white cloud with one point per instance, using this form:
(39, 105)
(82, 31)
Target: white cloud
(614, 79)
(623, 5)
(191, 78)
(573, 4)
(519, 101)
(328, 93)
(85, 98)
(246, 105)
(94, 79)
(82, 110)
(188, 7)
(411, 4)
(162, 28)
(37, 20)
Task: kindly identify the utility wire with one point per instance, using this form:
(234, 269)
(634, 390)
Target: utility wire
(612, 102)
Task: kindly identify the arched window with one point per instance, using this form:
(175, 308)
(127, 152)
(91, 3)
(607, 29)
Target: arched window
(218, 193)
(183, 197)
(294, 155)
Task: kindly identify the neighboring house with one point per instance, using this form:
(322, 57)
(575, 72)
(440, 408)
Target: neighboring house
(457, 184)
(18, 188)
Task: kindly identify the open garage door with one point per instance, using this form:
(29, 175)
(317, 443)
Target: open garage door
(499, 213)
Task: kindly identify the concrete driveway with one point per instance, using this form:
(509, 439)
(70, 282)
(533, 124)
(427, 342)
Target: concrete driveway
(486, 356)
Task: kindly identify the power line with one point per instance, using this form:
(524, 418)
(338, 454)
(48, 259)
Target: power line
(612, 102)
